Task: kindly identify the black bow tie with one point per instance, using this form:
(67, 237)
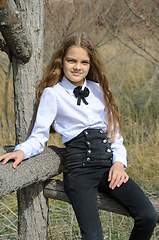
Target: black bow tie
(81, 94)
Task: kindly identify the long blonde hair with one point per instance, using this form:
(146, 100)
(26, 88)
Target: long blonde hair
(54, 74)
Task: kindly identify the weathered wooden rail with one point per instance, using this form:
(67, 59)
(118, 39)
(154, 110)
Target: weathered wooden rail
(40, 169)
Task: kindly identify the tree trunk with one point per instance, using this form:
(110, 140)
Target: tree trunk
(26, 76)
(33, 213)
(33, 206)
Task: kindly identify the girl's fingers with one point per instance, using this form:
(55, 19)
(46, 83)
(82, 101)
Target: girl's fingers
(17, 162)
(110, 175)
(3, 156)
(17, 156)
(120, 181)
(114, 182)
(116, 177)
(126, 178)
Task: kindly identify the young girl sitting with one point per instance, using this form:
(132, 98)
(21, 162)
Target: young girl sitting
(75, 100)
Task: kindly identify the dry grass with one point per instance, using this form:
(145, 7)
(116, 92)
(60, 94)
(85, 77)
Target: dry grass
(135, 85)
(7, 131)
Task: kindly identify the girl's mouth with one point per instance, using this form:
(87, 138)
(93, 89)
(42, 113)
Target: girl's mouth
(76, 73)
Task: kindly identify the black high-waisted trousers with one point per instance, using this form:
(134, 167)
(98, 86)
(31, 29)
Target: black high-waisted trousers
(88, 161)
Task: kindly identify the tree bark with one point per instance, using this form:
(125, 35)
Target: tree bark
(25, 77)
(36, 169)
(13, 32)
(32, 204)
(32, 213)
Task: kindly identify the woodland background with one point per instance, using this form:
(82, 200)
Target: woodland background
(126, 33)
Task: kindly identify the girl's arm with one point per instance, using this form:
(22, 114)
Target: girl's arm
(35, 144)
(119, 151)
(117, 174)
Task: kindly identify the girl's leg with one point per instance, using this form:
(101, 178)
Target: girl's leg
(134, 200)
(81, 186)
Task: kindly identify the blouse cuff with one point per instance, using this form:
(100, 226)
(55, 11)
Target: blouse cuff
(120, 159)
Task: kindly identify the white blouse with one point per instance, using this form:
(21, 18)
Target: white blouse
(58, 107)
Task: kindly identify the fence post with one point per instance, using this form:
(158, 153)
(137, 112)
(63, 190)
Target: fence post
(32, 213)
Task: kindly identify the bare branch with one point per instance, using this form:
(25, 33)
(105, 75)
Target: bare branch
(36, 169)
(52, 14)
(12, 31)
(147, 15)
(141, 47)
(141, 17)
(141, 55)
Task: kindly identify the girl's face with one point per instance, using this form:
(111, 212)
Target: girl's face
(76, 64)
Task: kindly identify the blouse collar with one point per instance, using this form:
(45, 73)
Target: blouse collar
(69, 86)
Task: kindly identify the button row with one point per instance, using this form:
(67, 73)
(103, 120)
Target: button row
(101, 131)
(88, 143)
(104, 141)
(108, 150)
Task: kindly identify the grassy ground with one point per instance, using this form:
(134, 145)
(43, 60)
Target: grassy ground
(63, 224)
(135, 88)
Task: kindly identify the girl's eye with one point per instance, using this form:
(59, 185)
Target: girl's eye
(85, 63)
(70, 60)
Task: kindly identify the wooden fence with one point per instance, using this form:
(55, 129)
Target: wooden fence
(41, 169)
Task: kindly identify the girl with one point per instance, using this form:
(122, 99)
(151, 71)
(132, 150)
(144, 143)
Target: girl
(76, 101)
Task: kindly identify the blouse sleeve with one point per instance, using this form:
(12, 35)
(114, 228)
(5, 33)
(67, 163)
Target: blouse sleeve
(46, 114)
(119, 151)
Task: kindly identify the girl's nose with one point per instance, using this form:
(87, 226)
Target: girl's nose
(77, 66)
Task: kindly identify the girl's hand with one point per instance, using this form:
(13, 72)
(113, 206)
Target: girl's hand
(17, 156)
(117, 175)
